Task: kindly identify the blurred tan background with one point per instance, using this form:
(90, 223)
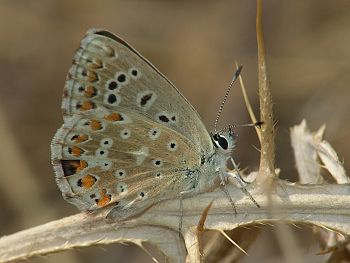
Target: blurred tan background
(195, 44)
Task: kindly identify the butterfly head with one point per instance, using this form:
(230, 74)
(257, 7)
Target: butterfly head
(224, 140)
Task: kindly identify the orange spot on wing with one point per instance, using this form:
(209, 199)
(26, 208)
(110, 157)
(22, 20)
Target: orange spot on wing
(88, 181)
(92, 76)
(114, 117)
(82, 165)
(87, 105)
(76, 151)
(96, 64)
(70, 167)
(90, 91)
(80, 138)
(95, 125)
(105, 198)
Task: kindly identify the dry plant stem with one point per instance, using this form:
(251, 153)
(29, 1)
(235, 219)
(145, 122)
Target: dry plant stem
(248, 105)
(193, 238)
(267, 157)
(327, 206)
(267, 154)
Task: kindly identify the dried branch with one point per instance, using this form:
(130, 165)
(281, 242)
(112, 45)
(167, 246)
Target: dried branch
(327, 206)
(267, 156)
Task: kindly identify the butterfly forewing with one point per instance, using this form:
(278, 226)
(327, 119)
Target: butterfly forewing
(129, 137)
(108, 73)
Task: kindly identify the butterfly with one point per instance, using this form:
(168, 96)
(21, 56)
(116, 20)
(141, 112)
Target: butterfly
(130, 139)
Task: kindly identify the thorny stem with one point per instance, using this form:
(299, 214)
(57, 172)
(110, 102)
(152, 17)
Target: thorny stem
(325, 205)
(267, 157)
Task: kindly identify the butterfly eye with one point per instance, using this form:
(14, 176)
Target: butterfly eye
(220, 141)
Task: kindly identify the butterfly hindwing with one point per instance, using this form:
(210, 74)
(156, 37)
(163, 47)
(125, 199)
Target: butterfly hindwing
(100, 160)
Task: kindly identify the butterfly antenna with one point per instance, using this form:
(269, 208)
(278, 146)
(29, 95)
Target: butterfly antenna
(235, 76)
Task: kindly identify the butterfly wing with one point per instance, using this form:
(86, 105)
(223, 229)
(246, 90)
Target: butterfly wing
(129, 137)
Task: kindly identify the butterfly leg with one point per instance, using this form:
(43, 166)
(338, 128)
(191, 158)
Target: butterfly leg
(182, 195)
(224, 189)
(241, 182)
